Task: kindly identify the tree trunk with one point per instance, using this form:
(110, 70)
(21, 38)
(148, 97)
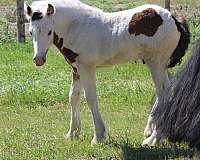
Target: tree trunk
(20, 21)
(167, 4)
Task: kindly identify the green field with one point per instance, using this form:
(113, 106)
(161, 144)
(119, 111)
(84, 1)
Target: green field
(34, 109)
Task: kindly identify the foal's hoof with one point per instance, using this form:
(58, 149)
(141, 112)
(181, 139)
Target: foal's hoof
(152, 140)
(96, 140)
(72, 135)
(99, 138)
(148, 132)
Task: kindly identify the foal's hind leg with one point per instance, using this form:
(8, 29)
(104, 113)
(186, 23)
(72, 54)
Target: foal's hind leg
(160, 76)
(150, 125)
(74, 99)
(153, 139)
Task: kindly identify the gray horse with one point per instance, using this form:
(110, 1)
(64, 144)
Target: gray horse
(177, 115)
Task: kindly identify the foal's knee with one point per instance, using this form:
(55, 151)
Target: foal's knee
(91, 98)
(74, 95)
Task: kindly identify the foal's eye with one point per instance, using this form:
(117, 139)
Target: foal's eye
(49, 33)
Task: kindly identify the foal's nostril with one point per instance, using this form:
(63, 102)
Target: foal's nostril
(34, 60)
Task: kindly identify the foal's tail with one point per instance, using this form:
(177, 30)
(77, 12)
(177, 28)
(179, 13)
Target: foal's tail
(183, 43)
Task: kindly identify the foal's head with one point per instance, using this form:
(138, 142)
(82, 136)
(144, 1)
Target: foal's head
(41, 29)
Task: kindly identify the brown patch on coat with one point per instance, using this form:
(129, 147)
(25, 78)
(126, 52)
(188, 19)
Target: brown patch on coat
(146, 22)
(69, 55)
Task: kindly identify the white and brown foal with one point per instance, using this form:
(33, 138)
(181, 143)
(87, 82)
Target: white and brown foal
(90, 38)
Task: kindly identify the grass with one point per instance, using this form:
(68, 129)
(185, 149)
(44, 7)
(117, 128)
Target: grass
(7, 2)
(35, 113)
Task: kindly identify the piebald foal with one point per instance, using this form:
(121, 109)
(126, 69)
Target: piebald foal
(90, 38)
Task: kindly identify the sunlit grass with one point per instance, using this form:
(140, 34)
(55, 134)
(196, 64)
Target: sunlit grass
(35, 113)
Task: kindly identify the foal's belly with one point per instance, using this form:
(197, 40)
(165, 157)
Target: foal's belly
(121, 58)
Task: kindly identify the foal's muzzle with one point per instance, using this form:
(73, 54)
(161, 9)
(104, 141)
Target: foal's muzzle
(39, 61)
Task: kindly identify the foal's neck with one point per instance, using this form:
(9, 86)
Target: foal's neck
(72, 10)
(70, 18)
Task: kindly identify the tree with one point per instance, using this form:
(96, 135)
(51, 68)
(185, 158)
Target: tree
(167, 4)
(20, 21)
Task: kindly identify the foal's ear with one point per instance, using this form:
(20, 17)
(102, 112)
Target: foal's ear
(50, 10)
(27, 10)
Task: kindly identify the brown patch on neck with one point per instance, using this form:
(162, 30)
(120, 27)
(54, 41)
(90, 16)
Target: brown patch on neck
(146, 22)
(69, 55)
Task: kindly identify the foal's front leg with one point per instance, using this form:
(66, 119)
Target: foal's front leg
(88, 80)
(74, 99)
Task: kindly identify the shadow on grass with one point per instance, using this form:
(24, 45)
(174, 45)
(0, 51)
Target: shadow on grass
(137, 152)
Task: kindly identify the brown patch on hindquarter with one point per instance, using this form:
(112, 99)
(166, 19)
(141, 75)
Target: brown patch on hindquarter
(146, 22)
(69, 55)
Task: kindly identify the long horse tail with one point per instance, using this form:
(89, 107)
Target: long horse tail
(177, 115)
(183, 43)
